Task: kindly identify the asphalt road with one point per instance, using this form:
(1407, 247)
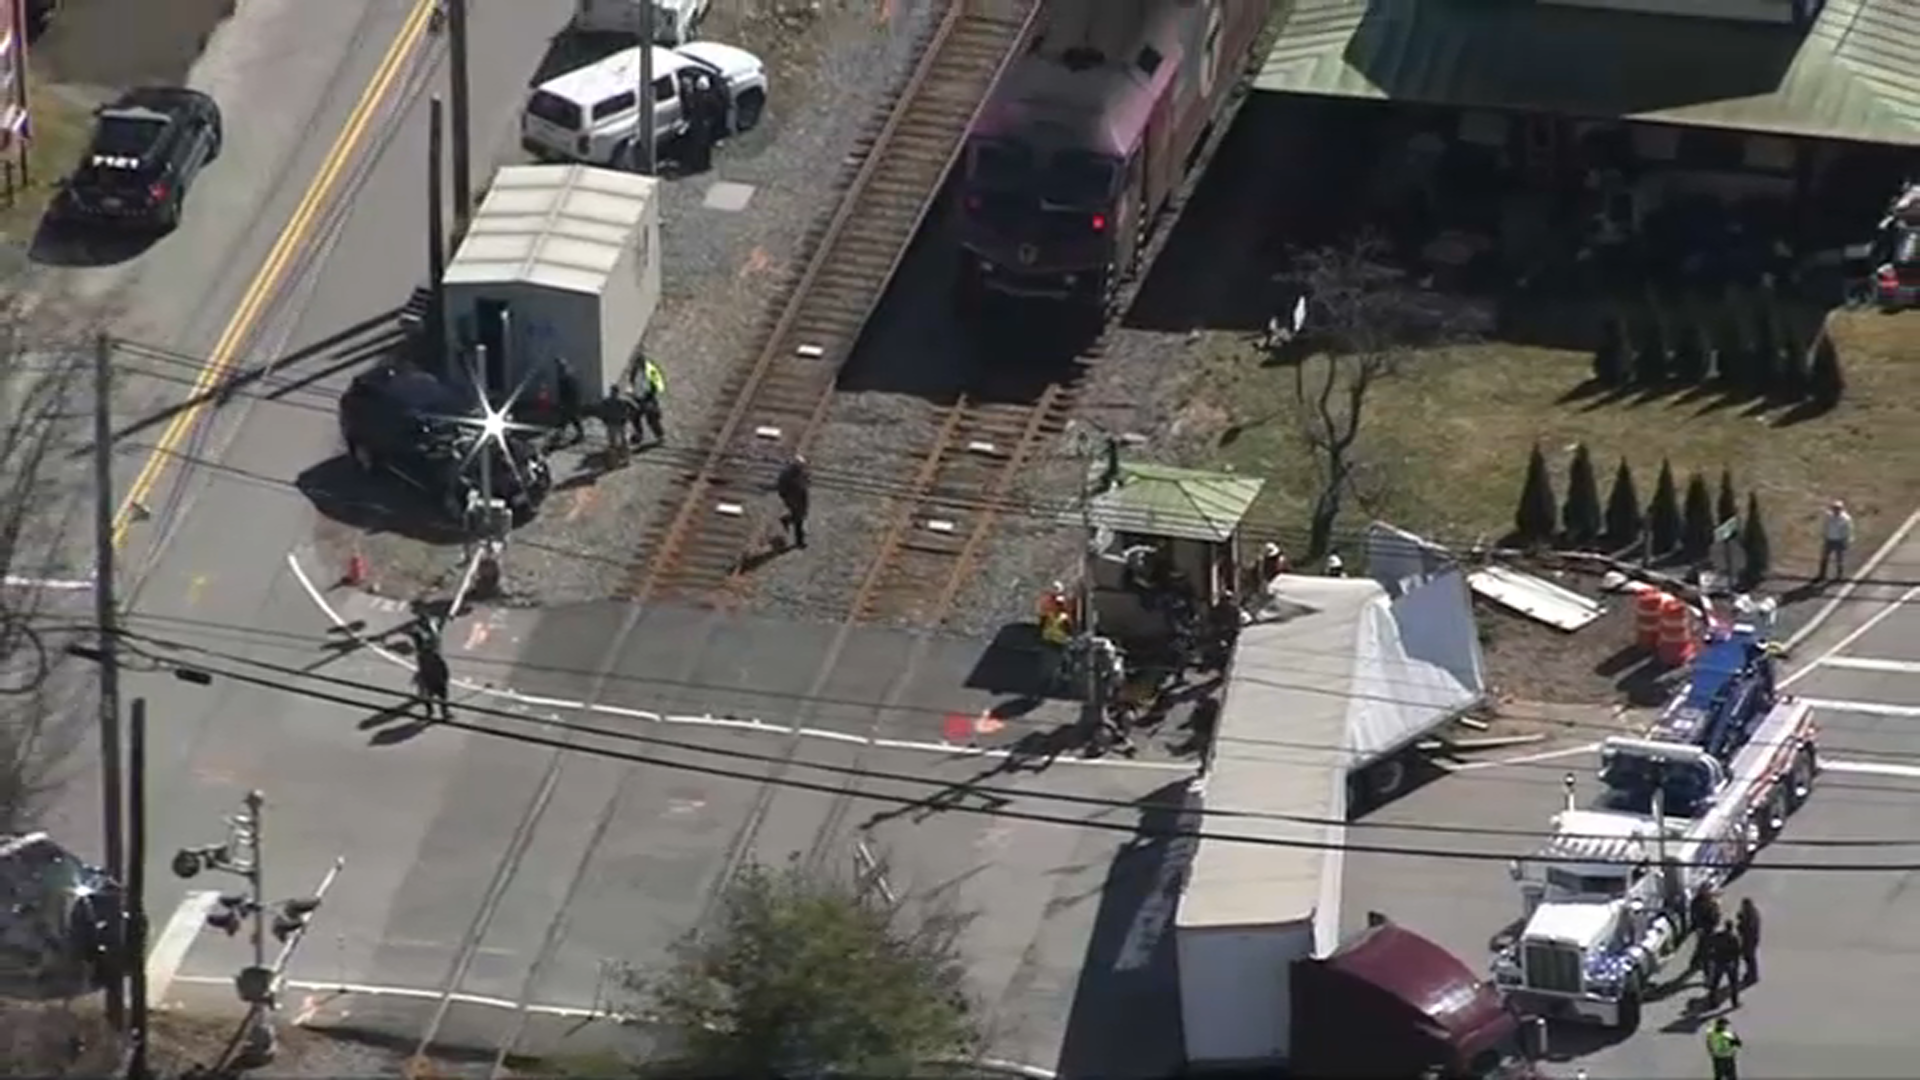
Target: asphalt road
(482, 873)
(1840, 944)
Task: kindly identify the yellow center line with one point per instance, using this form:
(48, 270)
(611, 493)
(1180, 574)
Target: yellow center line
(261, 289)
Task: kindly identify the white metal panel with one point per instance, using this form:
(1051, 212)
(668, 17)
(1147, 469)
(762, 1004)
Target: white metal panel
(1535, 597)
(628, 304)
(1235, 990)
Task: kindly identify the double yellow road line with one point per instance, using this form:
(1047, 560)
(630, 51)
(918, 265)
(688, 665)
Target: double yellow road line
(268, 279)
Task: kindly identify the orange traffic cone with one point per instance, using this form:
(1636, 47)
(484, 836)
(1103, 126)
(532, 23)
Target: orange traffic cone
(356, 574)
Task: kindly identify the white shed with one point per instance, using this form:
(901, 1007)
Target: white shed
(559, 261)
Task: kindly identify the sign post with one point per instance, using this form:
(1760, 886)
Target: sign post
(16, 121)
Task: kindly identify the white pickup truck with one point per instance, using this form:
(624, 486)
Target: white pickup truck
(592, 115)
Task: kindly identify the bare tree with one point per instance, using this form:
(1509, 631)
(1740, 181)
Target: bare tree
(1364, 320)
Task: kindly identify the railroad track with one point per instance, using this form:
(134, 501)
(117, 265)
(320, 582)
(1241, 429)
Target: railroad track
(780, 402)
(963, 483)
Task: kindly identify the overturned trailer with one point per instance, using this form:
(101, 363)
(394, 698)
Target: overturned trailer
(1336, 677)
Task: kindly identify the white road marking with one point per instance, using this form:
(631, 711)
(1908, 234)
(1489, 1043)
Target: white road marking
(170, 949)
(1868, 663)
(1526, 759)
(1872, 768)
(734, 723)
(1858, 632)
(1845, 593)
(415, 993)
(18, 581)
(1869, 708)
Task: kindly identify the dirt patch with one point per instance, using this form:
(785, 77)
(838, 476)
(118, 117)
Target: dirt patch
(62, 124)
(74, 1040)
(116, 44)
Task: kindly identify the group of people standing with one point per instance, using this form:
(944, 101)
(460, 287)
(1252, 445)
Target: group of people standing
(630, 411)
(1726, 952)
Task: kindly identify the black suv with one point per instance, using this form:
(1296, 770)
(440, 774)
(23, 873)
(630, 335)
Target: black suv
(148, 148)
(397, 419)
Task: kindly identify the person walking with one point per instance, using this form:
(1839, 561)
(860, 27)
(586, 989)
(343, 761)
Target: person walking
(568, 403)
(651, 392)
(1746, 926)
(795, 488)
(1703, 918)
(432, 681)
(1836, 535)
(1723, 1049)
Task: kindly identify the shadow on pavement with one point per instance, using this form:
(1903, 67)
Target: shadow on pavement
(373, 337)
(76, 248)
(374, 504)
(1126, 1007)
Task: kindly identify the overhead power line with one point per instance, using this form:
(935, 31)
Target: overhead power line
(858, 772)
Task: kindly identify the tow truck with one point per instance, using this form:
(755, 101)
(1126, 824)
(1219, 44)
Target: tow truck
(1683, 806)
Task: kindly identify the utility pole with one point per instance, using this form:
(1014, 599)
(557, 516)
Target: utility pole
(649, 156)
(462, 118)
(111, 779)
(436, 235)
(136, 883)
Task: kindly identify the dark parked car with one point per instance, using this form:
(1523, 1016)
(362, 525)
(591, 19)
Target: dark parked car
(147, 150)
(403, 421)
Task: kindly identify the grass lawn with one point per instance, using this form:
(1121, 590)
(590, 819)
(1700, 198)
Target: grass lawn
(61, 126)
(1445, 443)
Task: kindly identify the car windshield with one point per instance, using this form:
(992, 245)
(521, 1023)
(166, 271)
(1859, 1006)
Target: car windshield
(127, 136)
(554, 109)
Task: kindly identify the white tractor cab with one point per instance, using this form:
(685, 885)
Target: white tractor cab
(674, 21)
(1593, 855)
(591, 114)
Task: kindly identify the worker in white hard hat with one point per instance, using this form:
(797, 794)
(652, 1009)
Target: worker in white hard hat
(1336, 566)
(1054, 601)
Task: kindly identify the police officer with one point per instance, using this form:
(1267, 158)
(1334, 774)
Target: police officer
(567, 400)
(650, 392)
(795, 488)
(695, 101)
(1746, 927)
(431, 678)
(1723, 1049)
(1723, 965)
(618, 414)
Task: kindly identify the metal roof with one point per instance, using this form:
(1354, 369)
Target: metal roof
(557, 226)
(1850, 76)
(1280, 749)
(1161, 500)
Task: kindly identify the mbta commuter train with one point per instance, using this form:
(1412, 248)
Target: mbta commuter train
(1086, 138)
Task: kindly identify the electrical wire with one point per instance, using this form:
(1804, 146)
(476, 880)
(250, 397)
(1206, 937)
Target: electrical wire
(294, 642)
(1064, 512)
(1144, 828)
(862, 773)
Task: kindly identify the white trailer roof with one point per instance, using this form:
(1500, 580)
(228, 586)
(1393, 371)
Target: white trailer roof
(1334, 674)
(1279, 748)
(557, 226)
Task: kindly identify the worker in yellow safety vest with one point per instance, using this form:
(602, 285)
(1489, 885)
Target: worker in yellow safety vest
(1723, 1049)
(1055, 599)
(649, 394)
(1056, 633)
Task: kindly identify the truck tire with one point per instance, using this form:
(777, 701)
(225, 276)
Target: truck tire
(1806, 765)
(748, 111)
(1629, 1012)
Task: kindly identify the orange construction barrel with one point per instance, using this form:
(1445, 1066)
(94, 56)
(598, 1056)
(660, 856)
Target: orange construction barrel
(1646, 617)
(1677, 644)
